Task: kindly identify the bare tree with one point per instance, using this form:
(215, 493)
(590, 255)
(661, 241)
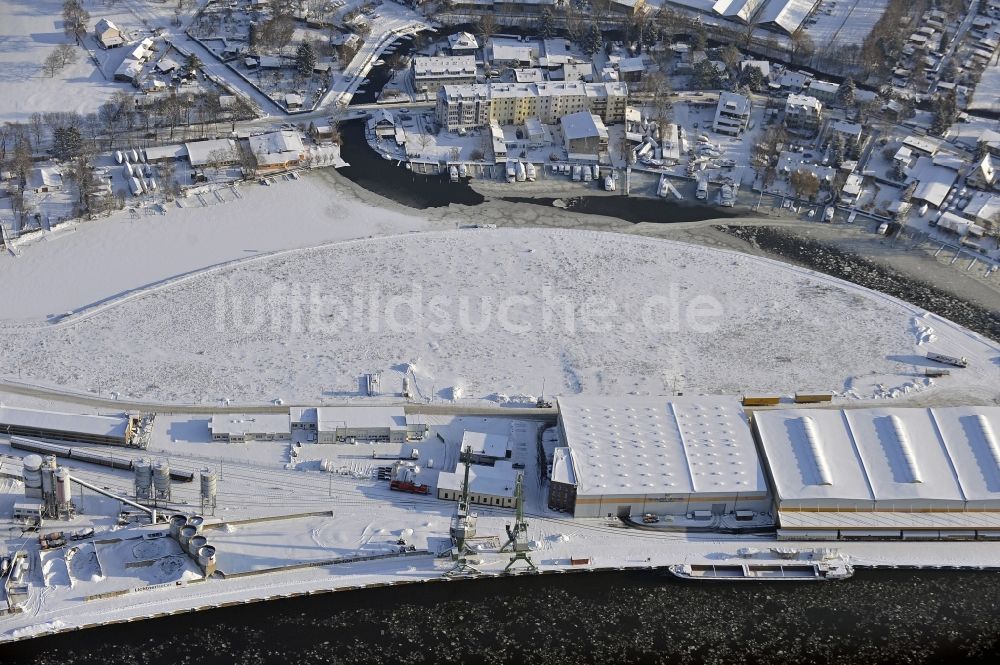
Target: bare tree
(486, 27)
(75, 19)
(5, 134)
(243, 108)
(37, 127)
(167, 171)
(66, 54)
(247, 161)
(802, 45)
(51, 64)
(110, 114)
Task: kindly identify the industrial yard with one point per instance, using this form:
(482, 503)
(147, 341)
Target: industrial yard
(208, 510)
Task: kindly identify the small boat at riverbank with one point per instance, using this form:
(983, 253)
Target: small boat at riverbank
(812, 571)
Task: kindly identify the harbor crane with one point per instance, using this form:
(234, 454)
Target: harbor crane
(517, 535)
(463, 526)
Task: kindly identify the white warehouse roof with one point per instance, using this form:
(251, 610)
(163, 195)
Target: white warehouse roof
(660, 445)
(329, 418)
(877, 459)
(110, 426)
(786, 14)
(258, 423)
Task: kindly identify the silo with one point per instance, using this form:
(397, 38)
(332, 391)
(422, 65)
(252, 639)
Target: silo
(161, 480)
(195, 544)
(32, 476)
(64, 493)
(143, 478)
(197, 521)
(209, 488)
(177, 522)
(187, 533)
(206, 560)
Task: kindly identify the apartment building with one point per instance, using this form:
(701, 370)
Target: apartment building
(430, 73)
(803, 112)
(732, 115)
(468, 106)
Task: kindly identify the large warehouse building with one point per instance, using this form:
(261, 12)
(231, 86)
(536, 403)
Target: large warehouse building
(638, 455)
(73, 427)
(884, 473)
(784, 16)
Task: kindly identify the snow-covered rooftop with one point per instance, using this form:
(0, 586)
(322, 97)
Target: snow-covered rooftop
(203, 152)
(444, 66)
(583, 124)
(276, 147)
(462, 41)
(660, 445)
(804, 102)
(934, 181)
(496, 480)
(562, 466)
(947, 458)
(486, 444)
(504, 49)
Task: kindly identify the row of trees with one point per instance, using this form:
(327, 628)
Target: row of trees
(63, 55)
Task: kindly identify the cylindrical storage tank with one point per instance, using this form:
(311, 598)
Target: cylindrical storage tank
(143, 471)
(197, 521)
(209, 484)
(206, 559)
(64, 493)
(187, 533)
(161, 477)
(195, 544)
(32, 476)
(177, 522)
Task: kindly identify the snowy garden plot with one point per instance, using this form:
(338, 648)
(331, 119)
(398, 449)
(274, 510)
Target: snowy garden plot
(226, 32)
(29, 31)
(574, 309)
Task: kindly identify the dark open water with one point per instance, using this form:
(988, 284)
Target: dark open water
(876, 617)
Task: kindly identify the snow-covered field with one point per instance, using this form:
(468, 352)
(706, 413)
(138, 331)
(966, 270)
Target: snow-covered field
(985, 98)
(83, 263)
(480, 313)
